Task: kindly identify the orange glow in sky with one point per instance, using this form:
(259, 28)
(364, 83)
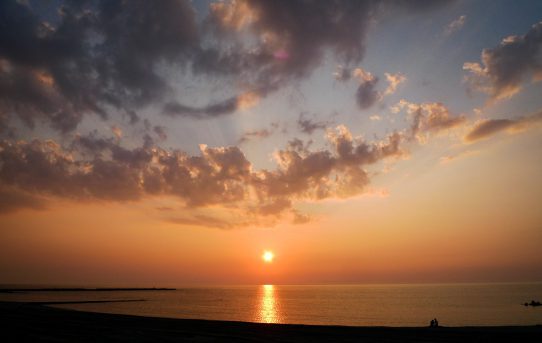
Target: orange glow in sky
(253, 142)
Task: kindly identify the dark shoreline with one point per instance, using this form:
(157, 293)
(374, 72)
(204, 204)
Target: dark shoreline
(35, 322)
(77, 289)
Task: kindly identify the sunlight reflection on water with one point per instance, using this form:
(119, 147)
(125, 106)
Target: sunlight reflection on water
(268, 309)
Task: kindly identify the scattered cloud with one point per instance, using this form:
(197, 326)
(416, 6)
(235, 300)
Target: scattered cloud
(428, 118)
(485, 128)
(454, 157)
(394, 80)
(257, 134)
(308, 126)
(504, 68)
(455, 25)
(367, 93)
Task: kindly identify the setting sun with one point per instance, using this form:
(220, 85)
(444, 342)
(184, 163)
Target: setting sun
(268, 256)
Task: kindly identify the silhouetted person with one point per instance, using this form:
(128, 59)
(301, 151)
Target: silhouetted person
(436, 322)
(432, 324)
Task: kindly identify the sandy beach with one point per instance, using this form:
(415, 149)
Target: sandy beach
(38, 322)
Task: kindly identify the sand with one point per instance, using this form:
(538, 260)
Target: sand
(37, 322)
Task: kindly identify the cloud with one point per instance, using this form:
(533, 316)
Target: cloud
(394, 80)
(204, 221)
(116, 57)
(488, 127)
(92, 168)
(12, 199)
(243, 101)
(213, 110)
(254, 134)
(428, 118)
(308, 126)
(455, 25)
(160, 132)
(342, 74)
(117, 131)
(366, 94)
(505, 67)
(454, 157)
(90, 57)
(324, 174)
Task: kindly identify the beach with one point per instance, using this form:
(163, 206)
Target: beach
(38, 322)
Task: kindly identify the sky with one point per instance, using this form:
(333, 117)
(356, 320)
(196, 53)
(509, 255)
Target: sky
(165, 143)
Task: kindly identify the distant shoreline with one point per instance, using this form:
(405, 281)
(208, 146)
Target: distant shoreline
(101, 289)
(34, 322)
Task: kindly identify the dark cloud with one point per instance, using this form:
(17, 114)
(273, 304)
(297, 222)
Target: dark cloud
(505, 67)
(366, 94)
(254, 134)
(489, 127)
(286, 48)
(91, 57)
(293, 47)
(213, 110)
(342, 74)
(160, 132)
(112, 56)
(308, 126)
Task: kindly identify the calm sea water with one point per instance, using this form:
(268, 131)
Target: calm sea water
(365, 305)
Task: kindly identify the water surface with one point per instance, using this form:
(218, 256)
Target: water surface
(364, 305)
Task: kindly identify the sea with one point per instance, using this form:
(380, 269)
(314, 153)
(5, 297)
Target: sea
(493, 304)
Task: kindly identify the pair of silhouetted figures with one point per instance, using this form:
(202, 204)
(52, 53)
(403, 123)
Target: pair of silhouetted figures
(533, 303)
(434, 323)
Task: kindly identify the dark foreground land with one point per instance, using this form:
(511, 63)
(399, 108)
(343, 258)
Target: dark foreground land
(102, 289)
(35, 322)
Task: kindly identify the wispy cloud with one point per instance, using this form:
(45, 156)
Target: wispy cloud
(455, 25)
(488, 127)
(258, 134)
(308, 125)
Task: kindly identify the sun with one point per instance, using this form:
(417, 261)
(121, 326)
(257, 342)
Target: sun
(268, 256)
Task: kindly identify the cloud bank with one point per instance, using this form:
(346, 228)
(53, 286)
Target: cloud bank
(100, 169)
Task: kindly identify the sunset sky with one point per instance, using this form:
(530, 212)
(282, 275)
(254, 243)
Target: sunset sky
(164, 143)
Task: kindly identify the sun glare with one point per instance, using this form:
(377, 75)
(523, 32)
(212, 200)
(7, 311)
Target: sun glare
(268, 256)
